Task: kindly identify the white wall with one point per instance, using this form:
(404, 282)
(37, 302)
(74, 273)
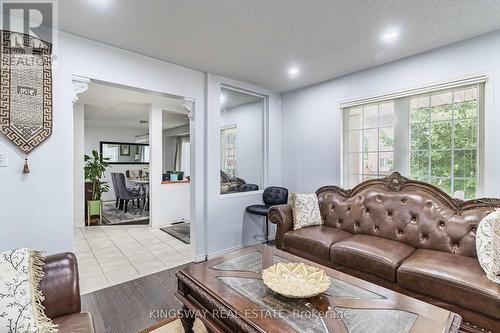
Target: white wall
(169, 143)
(93, 137)
(78, 171)
(230, 226)
(312, 118)
(169, 202)
(37, 209)
(249, 121)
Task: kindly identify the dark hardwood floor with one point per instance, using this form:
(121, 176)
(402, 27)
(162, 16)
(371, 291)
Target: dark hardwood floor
(132, 306)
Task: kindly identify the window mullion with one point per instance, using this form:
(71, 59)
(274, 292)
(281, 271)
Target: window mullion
(362, 142)
(378, 140)
(480, 139)
(401, 135)
(430, 141)
(452, 172)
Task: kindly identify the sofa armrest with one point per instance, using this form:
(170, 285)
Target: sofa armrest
(60, 285)
(282, 216)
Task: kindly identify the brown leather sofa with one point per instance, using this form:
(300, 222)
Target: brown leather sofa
(405, 235)
(61, 289)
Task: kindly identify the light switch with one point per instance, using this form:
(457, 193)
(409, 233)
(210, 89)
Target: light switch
(4, 159)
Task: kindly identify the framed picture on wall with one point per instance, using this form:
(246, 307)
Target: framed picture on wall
(124, 150)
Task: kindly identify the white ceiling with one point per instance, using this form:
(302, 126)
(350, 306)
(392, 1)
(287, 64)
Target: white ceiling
(258, 40)
(118, 107)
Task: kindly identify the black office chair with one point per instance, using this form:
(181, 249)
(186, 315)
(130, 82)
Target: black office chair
(272, 195)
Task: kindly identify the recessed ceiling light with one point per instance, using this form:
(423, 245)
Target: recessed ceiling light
(293, 71)
(390, 36)
(101, 3)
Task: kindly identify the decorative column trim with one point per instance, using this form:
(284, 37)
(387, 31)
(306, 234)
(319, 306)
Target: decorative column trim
(80, 85)
(189, 107)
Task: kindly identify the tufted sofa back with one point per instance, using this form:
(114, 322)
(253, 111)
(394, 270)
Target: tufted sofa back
(407, 211)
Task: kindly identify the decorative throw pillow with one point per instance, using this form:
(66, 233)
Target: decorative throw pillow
(488, 245)
(305, 210)
(21, 307)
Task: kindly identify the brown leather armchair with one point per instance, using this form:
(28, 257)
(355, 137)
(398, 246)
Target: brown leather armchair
(402, 234)
(60, 286)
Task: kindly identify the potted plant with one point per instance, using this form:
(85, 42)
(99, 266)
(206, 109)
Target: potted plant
(95, 166)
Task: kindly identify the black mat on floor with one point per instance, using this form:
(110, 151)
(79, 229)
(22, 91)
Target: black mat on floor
(181, 231)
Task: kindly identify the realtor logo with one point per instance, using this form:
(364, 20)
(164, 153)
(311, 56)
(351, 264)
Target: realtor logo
(30, 18)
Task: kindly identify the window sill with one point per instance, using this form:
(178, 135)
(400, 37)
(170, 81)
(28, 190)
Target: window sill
(241, 194)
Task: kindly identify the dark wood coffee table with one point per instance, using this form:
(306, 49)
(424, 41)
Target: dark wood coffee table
(228, 295)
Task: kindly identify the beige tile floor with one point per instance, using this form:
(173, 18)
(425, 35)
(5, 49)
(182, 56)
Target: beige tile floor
(115, 254)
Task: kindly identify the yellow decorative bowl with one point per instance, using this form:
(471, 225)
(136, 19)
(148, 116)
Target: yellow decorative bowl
(296, 280)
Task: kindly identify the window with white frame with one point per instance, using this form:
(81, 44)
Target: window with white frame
(444, 135)
(228, 149)
(370, 138)
(432, 136)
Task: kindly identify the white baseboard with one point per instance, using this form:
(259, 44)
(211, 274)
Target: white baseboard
(200, 258)
(231, 249)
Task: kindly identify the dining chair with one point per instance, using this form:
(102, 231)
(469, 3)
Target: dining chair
(115, 188)
(125, 193)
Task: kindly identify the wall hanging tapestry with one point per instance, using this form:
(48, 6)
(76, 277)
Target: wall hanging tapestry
(26, 90)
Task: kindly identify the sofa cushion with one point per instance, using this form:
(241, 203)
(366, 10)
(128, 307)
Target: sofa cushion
(371, 254)
(20, 276)
(305, 210)
(75, 323)
(315, 240)
(488, 245)
(452, 278)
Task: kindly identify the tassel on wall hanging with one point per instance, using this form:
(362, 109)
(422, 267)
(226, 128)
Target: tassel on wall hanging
(26, 91)
(26, 168)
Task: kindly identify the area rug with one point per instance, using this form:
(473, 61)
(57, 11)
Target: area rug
(181, 231)
(173, 326)
(114, 216)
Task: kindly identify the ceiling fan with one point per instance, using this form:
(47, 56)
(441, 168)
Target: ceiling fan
(145, 135)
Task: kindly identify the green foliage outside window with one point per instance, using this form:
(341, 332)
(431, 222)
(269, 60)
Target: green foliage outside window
(443, 143)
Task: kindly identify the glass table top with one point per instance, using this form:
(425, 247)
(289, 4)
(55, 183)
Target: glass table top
(277, 306)
(377, 320)
(252, 262)
(303, 317)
